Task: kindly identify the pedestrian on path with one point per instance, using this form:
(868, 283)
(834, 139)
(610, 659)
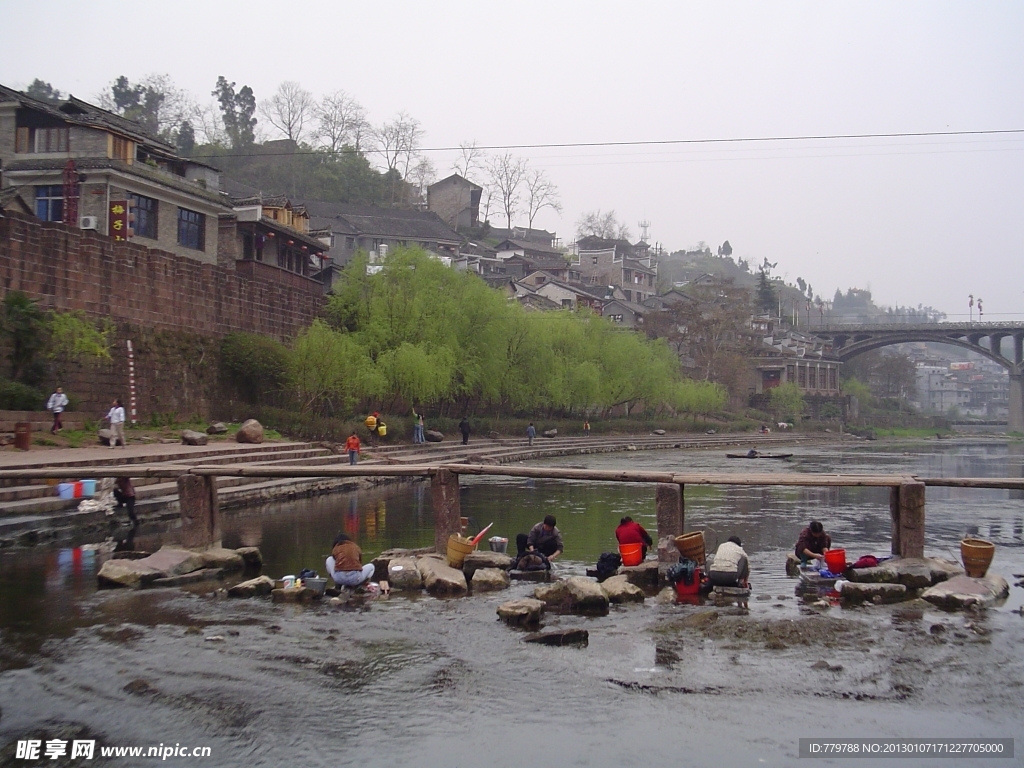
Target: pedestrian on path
(56, 404)
(352, 446)
(531, 432)
(417, 427)
(116, 417)
(586, 428)
(464, 429)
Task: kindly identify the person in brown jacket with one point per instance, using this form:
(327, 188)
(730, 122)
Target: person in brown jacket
(813, 543)
(345, 563)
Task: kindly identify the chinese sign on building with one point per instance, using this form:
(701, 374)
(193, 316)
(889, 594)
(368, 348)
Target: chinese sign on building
(118, 219)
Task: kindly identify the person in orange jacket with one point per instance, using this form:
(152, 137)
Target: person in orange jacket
(352, 446)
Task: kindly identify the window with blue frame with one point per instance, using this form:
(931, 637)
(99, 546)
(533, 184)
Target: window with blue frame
(50, 203)
(145, 210)
(191, 229)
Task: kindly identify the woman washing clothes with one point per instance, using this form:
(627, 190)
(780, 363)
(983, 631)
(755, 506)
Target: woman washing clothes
(345, 564)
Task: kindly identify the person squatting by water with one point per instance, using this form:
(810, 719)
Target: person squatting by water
(56, 404)
(116, 418)
(345, 563)
(124, 494)
(531, 432)
(813, 542)
(353, 446)
(629, 532)
(730, 568)
(544, 537)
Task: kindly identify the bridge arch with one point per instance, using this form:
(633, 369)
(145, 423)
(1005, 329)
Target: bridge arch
(847, 341)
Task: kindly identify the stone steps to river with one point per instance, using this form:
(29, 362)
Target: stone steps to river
(32, 506)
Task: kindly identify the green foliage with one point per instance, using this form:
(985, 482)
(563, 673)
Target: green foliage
(418, 332)
(237, 111)
(23, 325)
(15, 396)
(73, 337)
(858, 389)
(257, 366)
(787, 402)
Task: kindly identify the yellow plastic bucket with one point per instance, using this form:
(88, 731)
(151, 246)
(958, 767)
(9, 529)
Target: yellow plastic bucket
(458, 548)
(381, 428)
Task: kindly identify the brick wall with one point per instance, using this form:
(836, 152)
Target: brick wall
(173, 308)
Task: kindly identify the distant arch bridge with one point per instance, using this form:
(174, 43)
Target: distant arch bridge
(986, 339)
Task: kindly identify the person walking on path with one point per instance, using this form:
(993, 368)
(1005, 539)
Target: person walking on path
(116, 418)
(531, 432)
(56, 404)
(417, 427)
(352, 446)
(586, 428)
(464, 429)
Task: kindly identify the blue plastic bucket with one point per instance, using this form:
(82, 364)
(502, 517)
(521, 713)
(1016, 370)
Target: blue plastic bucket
(88, 487)
(66, 490)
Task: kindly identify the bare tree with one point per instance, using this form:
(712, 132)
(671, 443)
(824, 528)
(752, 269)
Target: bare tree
(472, 158)
(488, 205)
(507, 174)
(422, 176)
(341, 121)
(398, 142)
(208, 125)
(289, 110)
(606, 225)
(541, 194)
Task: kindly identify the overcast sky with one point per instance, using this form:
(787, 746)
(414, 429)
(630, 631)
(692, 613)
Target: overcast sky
(916, 220)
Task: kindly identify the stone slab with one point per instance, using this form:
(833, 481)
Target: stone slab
(521, 612)
(172, 561)
(218, 557)
(126, 573)
(620, 590)
(485, 559)
(575, 593)
(261, 585)
(644, 575)
(441, 579)
(856, 592)
(204, 574)
(560, 637)
(962, 592)
(489, 579)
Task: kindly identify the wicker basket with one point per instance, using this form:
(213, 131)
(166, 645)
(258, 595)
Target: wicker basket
(691, 545)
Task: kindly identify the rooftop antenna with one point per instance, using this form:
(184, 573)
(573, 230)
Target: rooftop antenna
(644, 226)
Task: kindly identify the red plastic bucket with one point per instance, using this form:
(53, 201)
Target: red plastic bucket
(632, 554)
(693, 588)
(835, 560)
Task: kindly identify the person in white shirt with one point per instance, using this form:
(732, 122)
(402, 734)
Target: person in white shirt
(116, 418)
(56, 404)
(730, 568)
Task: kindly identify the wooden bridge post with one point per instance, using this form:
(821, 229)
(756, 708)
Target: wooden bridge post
(671, 517)
(199, 511)
(444, 497)
(906, 508)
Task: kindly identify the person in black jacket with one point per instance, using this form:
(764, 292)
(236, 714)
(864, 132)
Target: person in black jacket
(464, 429)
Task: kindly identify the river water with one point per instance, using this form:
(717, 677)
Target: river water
(417, 680)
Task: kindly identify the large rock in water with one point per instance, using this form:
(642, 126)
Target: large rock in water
(251, 431)
(251, 556)
(126, 573)
(855, 592)
(485, 559)
(962, 592)
(489, 579)
(226, 559)
(173, 561)
(383, 560)
(524, 611)
(440, 579)
(433, 436)
(191, 437)
(620, 590)
(261, 585)
(402, 574)
(644, 575)
(575, 593)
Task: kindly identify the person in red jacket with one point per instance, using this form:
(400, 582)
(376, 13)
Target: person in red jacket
(630, 532)
(352, 446)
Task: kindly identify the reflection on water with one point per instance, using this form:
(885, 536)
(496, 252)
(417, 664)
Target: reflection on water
(40, 589)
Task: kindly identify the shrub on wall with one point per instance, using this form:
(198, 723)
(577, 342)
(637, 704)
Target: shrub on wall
(257, 367)
(15, 396)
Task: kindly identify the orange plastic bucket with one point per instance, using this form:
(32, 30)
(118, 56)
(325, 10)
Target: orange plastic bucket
(835, 560)
(632, 554)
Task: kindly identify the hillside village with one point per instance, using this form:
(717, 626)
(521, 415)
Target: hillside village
(71, 163)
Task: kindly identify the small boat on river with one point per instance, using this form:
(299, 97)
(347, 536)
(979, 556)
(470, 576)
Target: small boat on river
(758, 455)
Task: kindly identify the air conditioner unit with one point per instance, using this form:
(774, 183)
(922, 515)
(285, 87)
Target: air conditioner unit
(89, 222)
